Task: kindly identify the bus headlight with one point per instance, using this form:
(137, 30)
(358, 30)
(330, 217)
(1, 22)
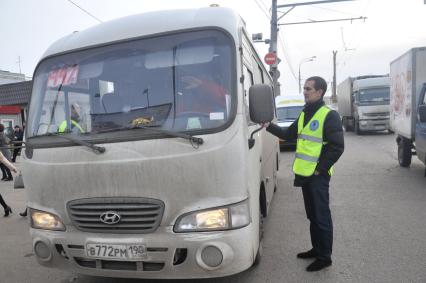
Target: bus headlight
(216, 219)
(45, 220)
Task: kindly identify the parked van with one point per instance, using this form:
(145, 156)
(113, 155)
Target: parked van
(144, 154)
(288, 108)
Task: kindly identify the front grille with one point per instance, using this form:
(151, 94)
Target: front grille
(138, 215)
(120, 265)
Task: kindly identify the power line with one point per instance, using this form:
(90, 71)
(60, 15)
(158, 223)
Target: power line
(333, 10)
(284, 50)
(85, 11)
(261, 8)
(266, 7)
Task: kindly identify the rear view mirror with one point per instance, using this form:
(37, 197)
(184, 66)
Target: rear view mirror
(261, 100)
(422, 113)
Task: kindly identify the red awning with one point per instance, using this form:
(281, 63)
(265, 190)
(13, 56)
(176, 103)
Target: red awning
(10, 109)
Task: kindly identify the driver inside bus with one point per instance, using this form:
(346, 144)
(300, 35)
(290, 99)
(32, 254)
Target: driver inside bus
(201, 94)
(75, 114)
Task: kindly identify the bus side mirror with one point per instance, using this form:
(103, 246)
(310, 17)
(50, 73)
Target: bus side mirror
(422, 113)
(261, 101)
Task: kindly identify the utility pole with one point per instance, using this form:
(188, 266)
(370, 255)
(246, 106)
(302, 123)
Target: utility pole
(273, 69)
(19, 63)
(273, 43)
(333, 94)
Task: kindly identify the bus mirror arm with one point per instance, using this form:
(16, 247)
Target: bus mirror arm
(251, 140)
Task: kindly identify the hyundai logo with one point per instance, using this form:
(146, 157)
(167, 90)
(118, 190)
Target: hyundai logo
(110, 217)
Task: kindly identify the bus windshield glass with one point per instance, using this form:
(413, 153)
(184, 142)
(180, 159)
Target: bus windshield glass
(177, 82)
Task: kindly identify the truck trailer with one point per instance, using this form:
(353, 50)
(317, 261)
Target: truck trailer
(363, 103)
(408, 104)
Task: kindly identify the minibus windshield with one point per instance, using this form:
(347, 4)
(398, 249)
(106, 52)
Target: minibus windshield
(178, 83)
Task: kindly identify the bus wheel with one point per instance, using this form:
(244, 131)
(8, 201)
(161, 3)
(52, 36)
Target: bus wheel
(259, 253)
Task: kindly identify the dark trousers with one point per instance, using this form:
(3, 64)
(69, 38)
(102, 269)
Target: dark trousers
(2, 202)
(6, 171)
(15, 154)
(316, 198)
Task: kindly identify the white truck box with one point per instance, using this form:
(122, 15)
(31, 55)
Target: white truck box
(344, 94)
(406, 74)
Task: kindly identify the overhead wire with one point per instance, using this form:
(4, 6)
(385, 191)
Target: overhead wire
(85, 11)
(283, 45)
(262, 9)
(286, 56)
(346, 54)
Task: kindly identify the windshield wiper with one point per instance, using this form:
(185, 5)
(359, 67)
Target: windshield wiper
(192, 139)
(96, 149)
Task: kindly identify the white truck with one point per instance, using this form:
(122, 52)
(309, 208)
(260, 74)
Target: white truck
(363, 103)
(408, 104)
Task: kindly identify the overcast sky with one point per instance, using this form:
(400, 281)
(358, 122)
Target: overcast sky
(28, 27)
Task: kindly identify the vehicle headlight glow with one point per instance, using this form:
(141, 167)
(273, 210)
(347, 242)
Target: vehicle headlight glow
(45, 220)
(215, 219)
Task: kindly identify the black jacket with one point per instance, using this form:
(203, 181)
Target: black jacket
(333, 135)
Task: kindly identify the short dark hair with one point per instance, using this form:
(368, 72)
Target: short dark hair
(1, 128)
(319, 83)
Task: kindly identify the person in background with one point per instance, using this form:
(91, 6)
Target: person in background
(320, 143)
(19, 136)
(7, 209)
(4, 149)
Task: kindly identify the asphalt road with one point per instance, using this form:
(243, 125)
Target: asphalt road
(378, 208)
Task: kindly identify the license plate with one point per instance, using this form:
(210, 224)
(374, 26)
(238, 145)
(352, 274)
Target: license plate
(111, 251)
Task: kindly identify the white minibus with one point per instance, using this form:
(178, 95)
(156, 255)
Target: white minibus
(144, 156)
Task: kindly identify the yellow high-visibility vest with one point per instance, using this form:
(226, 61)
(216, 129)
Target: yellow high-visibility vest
(63, 126)
(309, 143)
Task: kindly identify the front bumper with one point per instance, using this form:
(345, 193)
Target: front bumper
(374, 125)
(66, 250)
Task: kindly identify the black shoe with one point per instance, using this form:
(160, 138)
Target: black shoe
(4, 178)
(23, 214)
(8, 179)
(319, 264)
(7, 211)
(309, 254)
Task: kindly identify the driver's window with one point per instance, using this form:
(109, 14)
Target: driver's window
(52, 112)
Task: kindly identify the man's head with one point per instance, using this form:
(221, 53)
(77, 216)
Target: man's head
(17, 128)
(75, 111)
(314, 89)
(1, 128)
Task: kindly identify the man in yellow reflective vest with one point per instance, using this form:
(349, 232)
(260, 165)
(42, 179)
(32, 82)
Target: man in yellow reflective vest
(75, 119)
(320, 143)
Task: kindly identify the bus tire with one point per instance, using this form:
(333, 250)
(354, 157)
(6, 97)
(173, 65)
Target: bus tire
(259, 253)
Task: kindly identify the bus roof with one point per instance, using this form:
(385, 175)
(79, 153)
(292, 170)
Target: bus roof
(148, 24)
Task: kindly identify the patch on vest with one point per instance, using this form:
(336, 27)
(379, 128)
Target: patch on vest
(314, 125)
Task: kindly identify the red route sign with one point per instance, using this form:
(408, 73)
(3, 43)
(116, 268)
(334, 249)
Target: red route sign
(270, 58)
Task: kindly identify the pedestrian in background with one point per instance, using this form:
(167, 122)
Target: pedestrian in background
(4, 149)
(320, 143)
(18, 136)
(7, 209)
